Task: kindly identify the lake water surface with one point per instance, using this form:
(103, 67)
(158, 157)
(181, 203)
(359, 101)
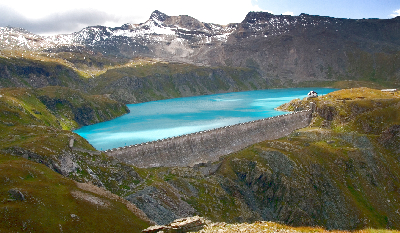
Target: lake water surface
(173, 117)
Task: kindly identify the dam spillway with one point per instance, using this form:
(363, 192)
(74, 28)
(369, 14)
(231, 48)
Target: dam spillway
(209, 145)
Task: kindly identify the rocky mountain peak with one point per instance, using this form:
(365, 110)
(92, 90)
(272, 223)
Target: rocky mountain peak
(280, 47)
(253, 17)
(17, 29)
(184, 21)
(159, 16)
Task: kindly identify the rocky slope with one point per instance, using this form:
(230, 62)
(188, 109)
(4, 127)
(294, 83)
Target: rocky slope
(147, 82)
(337, 174)
(34, 198)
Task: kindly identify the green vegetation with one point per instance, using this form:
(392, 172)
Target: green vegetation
(26, 72)
(129, 81)
(36, 123)
(149, 81)
(56, 107)
(53, 203)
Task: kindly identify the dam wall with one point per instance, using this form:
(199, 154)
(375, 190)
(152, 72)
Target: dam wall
(209, 145)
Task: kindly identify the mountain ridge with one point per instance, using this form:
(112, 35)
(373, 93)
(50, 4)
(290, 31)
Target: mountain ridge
(284, 49)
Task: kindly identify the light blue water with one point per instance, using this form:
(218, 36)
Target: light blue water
(167, 118)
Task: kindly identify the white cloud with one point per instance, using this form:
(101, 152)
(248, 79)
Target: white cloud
(395, 13)
(118, 12)
(288, 13)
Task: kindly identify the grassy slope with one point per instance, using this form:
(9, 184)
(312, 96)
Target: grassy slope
(84, 63)
(56, 107)
(30, 129)
(34, 131)
(54, 203)
(74, 109)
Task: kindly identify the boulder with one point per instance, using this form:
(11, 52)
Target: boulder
(181, 225)
(16, 195)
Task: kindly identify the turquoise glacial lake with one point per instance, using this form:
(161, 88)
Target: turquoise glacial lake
(173, 117)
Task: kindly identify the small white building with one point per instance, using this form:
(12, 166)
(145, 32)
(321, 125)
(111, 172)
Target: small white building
(312, 94)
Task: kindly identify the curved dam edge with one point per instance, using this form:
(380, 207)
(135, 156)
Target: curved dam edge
(209, 145)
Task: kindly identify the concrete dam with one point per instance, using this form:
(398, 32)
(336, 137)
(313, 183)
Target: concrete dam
(209, 145)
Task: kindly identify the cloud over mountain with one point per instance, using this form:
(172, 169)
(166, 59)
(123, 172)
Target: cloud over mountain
(45, 17)
(395, 13)
(55, 23)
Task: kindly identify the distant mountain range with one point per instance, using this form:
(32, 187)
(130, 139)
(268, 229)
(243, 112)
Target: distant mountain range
(284, 50)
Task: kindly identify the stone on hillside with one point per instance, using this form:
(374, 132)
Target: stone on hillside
(16, 195)
(157, 228)
(71, 142)
(189, 224)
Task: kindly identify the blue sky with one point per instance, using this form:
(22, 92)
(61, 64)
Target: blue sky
(48, 17)
(354, 9)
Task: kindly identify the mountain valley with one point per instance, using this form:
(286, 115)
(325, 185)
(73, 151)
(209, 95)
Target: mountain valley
(340, 173)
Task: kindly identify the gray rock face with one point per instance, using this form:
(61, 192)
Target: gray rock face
(63, 164)
(159, 205)
(182, 225)
(390, 138)
(68, 164)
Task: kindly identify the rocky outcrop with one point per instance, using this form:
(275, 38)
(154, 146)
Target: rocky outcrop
(182, 225)
(162, 204)
(17, 195)
(64, 164)
(390, 138)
